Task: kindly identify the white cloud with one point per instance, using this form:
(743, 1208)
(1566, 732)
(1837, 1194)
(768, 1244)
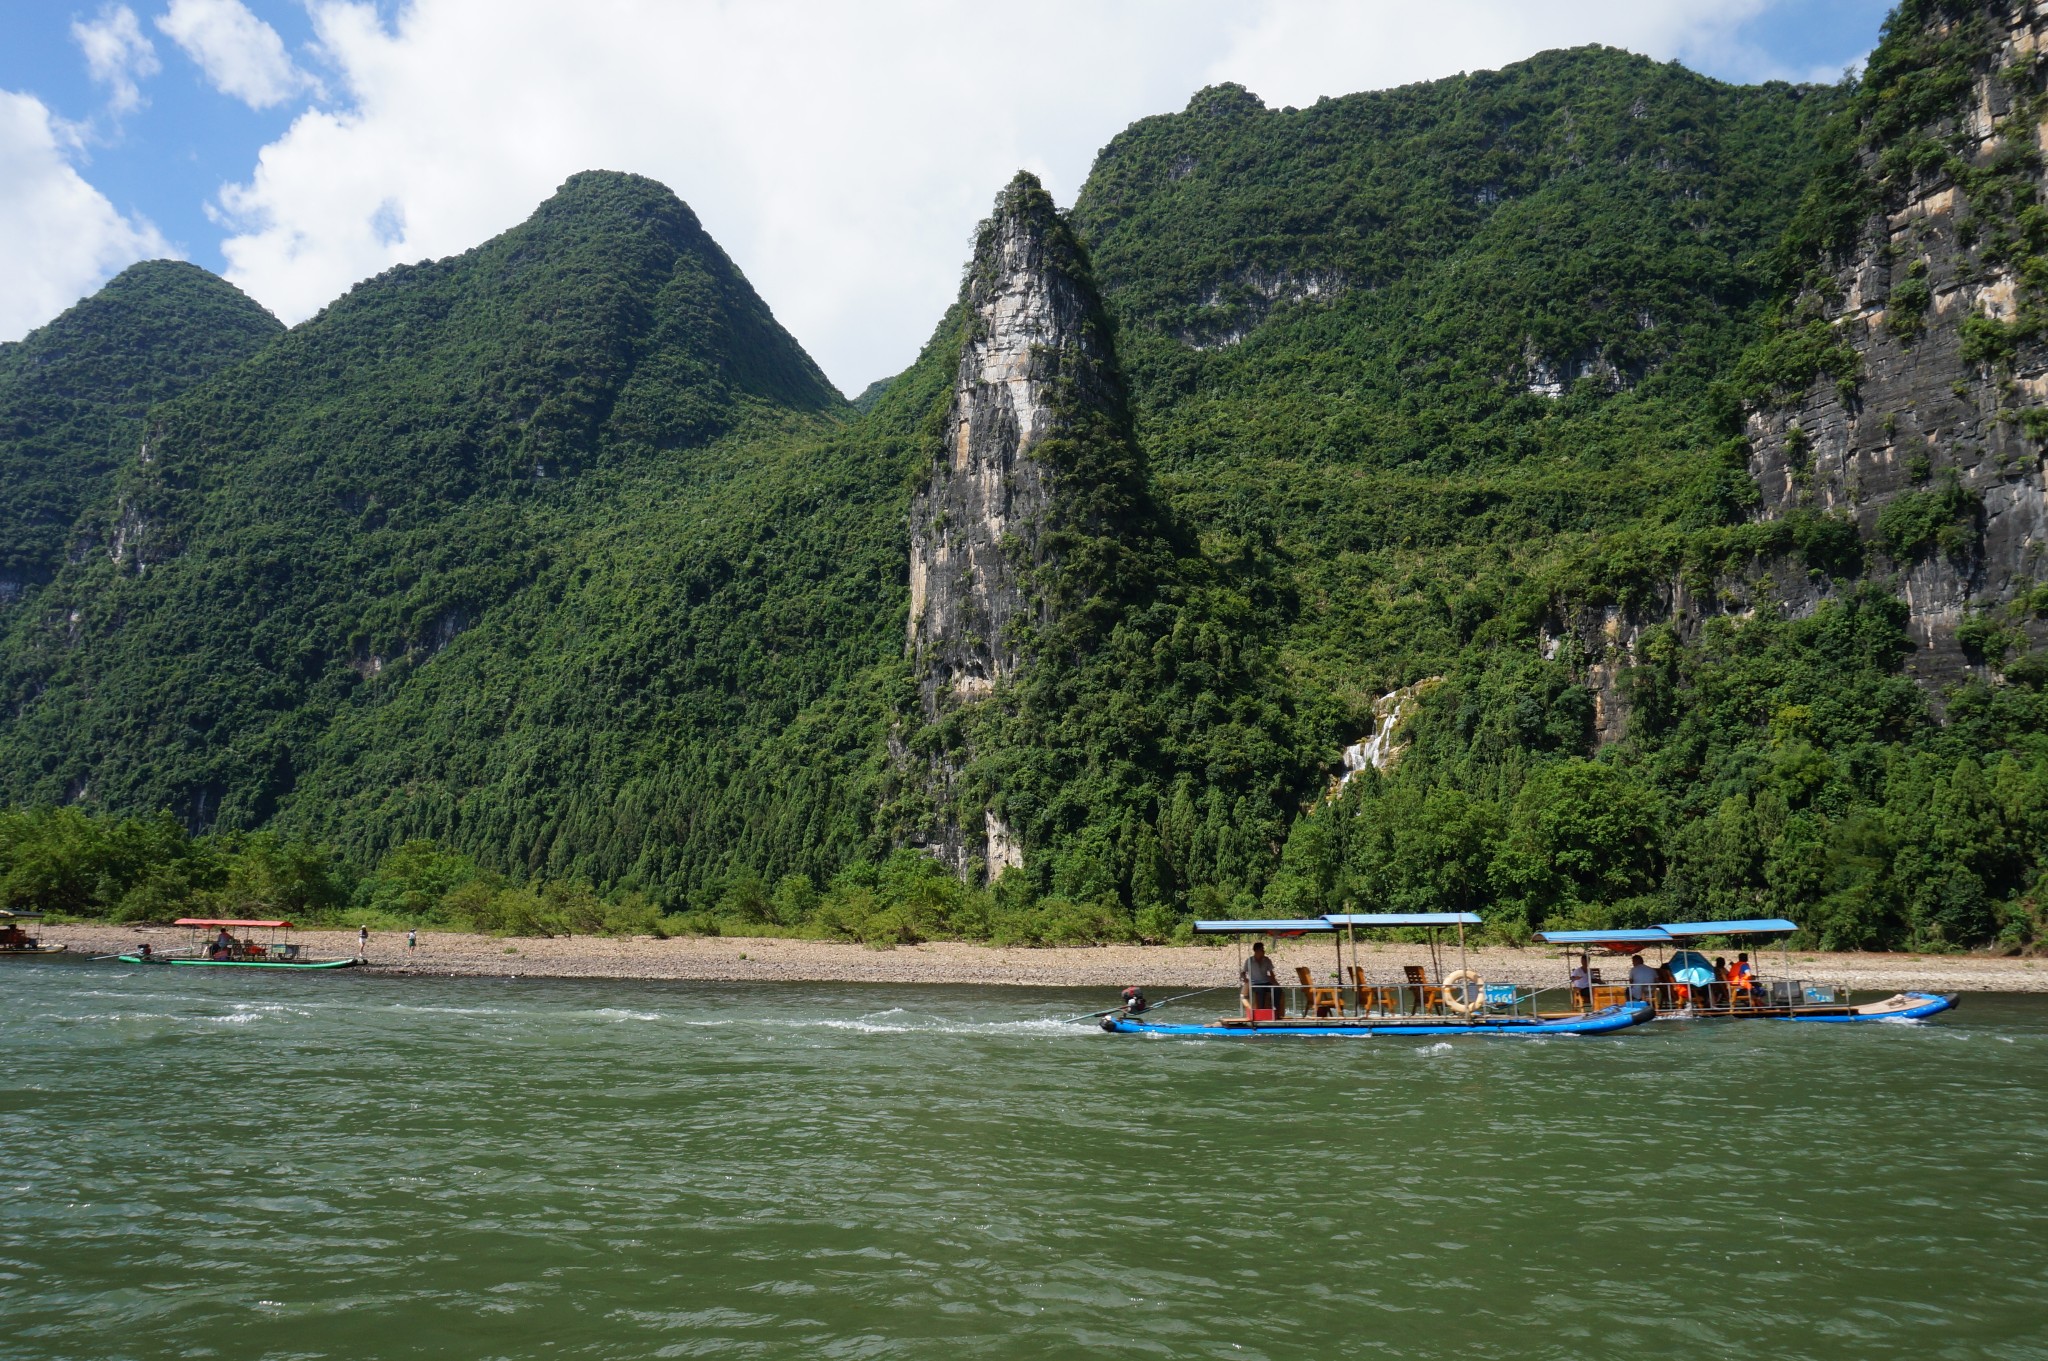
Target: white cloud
(241, 55)
(60, 236)
(117, 55)
(840, 153)
(1295, 53)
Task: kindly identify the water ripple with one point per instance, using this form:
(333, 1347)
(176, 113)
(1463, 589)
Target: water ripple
(374, 1168)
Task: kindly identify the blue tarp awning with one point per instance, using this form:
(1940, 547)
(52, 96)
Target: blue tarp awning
(1646, 935)
(1758, 926)
(1403, 919)
(1247, 927)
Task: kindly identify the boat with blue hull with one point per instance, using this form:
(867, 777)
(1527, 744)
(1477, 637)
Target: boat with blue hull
(1904, 1006)
(1601, 1022)
(1424, 1001)
(1685, 985)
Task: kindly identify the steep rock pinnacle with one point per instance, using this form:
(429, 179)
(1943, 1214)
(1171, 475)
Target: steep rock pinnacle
(1035, 364)
(1033, 358)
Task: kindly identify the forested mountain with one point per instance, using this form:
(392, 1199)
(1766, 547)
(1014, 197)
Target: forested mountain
(73, 395)
(1673, 448)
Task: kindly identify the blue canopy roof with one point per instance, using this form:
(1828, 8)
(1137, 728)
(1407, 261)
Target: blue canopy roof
(1646, 935)
(1403, 919)
(1246, 927)
(1757, 926)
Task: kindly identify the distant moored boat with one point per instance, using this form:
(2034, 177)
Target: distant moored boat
(224, 949)
(18, 934)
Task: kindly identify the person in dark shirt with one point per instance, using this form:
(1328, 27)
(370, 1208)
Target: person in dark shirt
(1261, 982)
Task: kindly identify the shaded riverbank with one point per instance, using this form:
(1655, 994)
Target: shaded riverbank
(748, 959)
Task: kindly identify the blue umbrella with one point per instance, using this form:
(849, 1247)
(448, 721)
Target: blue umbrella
(1692, 968)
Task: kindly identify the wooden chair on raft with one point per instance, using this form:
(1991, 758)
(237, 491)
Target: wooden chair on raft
(1369, 996)
(1428, 996)
(1321, 1001)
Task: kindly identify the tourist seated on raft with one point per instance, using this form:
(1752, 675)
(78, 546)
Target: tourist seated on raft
(11, 935)
(1582, 983)
(1262, 989)
(1717, 994)
(1741, 982)
(1671, 994)
(1642, 980)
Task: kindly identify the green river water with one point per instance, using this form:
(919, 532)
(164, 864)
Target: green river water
(208, 1163)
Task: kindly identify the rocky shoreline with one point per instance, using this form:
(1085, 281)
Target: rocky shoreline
(748, 959)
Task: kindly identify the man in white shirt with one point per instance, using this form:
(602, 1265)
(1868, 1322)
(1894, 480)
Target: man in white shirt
(1642, 980)
(1582, 983)
(1261, 985)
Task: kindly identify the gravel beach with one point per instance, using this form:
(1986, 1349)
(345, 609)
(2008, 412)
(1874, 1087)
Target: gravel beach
(746, 959)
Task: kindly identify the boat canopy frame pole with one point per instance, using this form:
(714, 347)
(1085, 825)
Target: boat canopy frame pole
(1244, 983)
(1338, 941)
(1359, 994)
(1464, 966)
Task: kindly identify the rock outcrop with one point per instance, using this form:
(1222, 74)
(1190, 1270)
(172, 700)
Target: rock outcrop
(1926, 411)
(1034, 364)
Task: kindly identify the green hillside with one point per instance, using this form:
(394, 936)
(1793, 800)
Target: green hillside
(558, 564)
(74, 392)
(317, 525)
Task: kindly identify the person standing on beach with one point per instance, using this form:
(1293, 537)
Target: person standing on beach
(412, 940)
(363, 944)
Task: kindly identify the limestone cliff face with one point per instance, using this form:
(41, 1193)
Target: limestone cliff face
(1034, 362)
(1033, 356)
(1926, 413)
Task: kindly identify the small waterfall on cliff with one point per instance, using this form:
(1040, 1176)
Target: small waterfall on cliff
(1378, 750)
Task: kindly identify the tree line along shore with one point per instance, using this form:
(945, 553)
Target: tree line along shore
(76, 866)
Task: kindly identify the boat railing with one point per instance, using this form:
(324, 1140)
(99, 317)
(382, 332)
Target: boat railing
(1403, 996)
(1526, 992)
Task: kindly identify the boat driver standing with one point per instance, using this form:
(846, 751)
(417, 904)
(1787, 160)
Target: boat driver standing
(1258, 976)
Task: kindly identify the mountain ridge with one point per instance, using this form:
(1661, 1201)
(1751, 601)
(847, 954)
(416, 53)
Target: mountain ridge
(560, 556)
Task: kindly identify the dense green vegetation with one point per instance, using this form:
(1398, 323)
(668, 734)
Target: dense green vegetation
(1774, 768)
(73, 395)
(549, 587)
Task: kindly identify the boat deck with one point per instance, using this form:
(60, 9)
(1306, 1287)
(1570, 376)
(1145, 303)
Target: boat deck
(1367, 1027)
(1904, 1006)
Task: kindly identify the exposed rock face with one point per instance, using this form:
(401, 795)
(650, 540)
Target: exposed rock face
(1032, 356)
(1035, 358)
(1235, 306)
(1922, 415)
(1603, 642)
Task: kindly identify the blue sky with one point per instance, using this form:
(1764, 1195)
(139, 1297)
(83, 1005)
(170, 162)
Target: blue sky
(825, 152)
(166, 160)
